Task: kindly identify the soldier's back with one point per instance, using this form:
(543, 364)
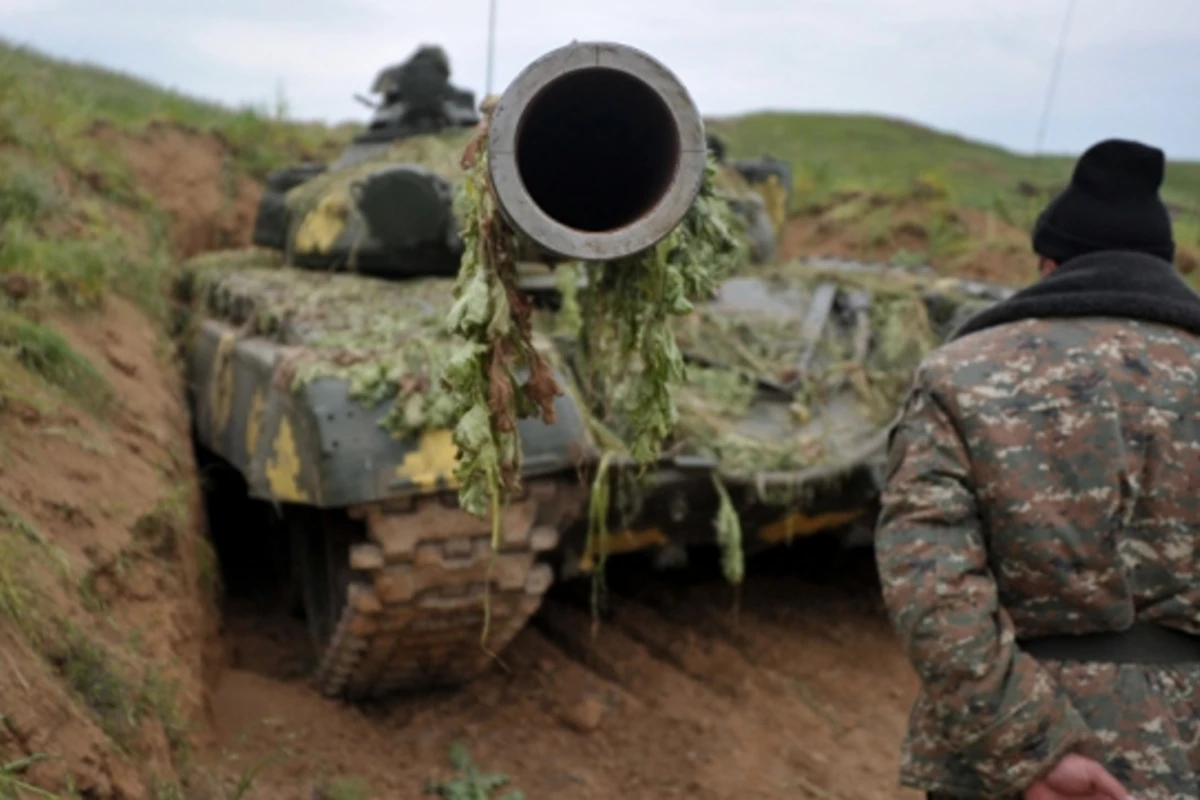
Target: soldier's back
(1084, 442)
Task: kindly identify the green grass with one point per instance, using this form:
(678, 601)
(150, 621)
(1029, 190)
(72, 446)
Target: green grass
(22, 597)
(97, 679)
(882, 154)
(17, 595)
(859, 174)
(346, 788)
(159, 696)
(11, 784)
(469, 782)
(37, 90)
(42, 351)
(74, 225)
(117, 698)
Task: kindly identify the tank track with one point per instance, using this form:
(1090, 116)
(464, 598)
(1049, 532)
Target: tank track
(414, 609)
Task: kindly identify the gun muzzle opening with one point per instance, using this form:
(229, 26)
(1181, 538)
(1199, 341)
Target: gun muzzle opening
(597, 149)
(596, 152)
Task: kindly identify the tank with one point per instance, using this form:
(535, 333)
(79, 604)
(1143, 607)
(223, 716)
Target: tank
(314, 364)
(315, 359)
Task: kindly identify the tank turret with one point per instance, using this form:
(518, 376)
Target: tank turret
(417, 97)
(385, 205)
(382, 207)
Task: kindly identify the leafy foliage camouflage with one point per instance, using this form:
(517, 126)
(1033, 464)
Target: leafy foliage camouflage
(626, 357)
(742, 348)
(387, 340)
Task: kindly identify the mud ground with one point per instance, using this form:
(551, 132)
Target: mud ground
(682, 689)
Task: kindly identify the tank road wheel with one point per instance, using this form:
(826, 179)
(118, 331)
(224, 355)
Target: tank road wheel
(408, 598)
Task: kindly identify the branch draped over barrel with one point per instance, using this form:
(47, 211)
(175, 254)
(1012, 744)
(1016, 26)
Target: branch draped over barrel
(595, 156)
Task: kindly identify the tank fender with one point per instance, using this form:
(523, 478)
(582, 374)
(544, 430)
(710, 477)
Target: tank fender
(319, 446)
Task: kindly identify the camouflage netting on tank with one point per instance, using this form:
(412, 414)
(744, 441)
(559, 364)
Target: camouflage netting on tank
(851, 388)
(397, 339)
(743, 401)
(790, 437)
(386, 339)
(440, 153)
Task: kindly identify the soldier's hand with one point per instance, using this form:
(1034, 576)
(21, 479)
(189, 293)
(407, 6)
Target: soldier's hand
(1076, 778)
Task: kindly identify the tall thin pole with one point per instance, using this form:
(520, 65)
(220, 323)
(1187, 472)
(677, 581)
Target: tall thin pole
(1055, 69)
(491, 50)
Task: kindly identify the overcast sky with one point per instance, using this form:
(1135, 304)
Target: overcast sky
(975, 67)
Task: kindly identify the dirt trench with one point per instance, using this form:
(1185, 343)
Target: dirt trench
(101, 572)
(802, 692)
(110, 643)
(192, 177)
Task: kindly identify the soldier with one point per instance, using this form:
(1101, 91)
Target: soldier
(1040, 524)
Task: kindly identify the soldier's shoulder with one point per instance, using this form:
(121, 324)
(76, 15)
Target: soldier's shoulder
(1032, 345)
(1076, 334)
(965, 357)
(992, 341)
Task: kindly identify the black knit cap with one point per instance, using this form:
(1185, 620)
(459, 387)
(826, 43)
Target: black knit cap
(1111, 203)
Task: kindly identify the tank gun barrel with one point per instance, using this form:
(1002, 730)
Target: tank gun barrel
(596, 151)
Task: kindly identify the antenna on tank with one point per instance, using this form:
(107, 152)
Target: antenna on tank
(1055, 70)
(491, 47)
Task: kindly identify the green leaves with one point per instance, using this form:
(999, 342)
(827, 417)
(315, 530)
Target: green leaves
(629, 354)
(627, 357)
(493, 318)
(627, 360)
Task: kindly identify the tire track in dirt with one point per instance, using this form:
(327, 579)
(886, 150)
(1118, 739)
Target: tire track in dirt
(668, 694)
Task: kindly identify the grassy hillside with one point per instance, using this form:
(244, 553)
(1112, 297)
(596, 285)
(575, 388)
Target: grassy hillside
(878, 153)
(105, 572)
(43, 96)
(872, 186)
(72, 210)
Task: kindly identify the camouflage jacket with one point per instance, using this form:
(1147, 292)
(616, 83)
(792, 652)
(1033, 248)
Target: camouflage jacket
(1044, 478)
